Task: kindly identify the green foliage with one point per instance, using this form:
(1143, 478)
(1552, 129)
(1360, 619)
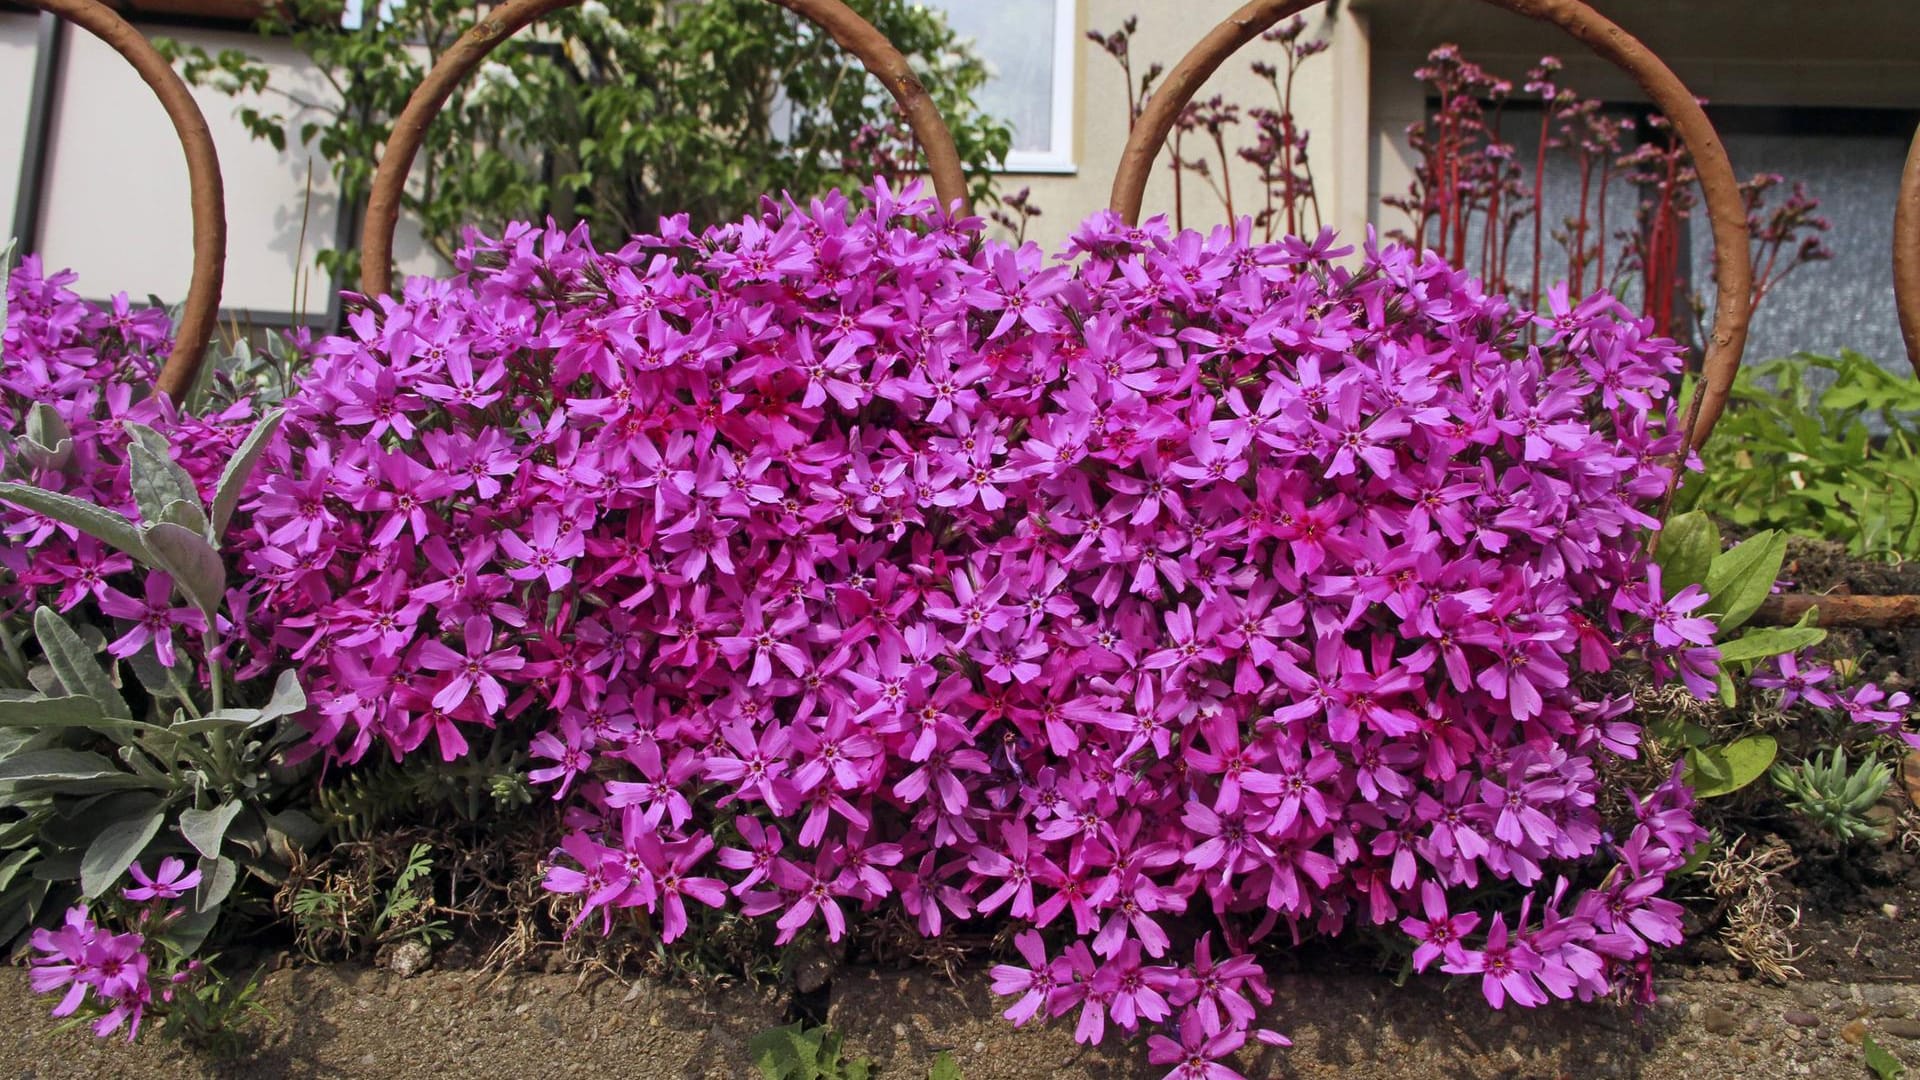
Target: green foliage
(400, 912)
(1818, 446)
(1884, 1065)
(796, 1052)
(1736, 581)
(1833, 795)
(615, 112)
(357, 803)
(91, 781)
(1722, 770)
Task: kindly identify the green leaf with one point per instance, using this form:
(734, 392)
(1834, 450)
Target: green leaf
(105, 526)
(205, 829)
(944, 1067)
(10, 866)
(1714, 771)
(1674, 731)
(159, 681)
(49, 766)
(115, 849)
(1688, 544)
(233, 478)
(299, 829)
(287, 700)
(1739, 580)
(1881, 1061)
(52, 712)
(48, 442)
(158, 480)
(786, 1053)
(6, 272)
(217, 878)
(185, 934)
(1758, 644)
(192, 562)
(73, 664)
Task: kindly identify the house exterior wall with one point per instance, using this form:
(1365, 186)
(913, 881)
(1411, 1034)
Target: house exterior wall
(1330, 101)
(114, 196)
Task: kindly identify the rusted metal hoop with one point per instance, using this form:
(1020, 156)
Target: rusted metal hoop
(202, 310)
(1906, 254)
(853, 33)
(1724, 207)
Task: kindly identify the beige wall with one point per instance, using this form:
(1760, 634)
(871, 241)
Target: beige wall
(1330, 99)
(114, 205)
(17, 36)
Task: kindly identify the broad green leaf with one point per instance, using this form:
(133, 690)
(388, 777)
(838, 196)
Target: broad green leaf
(194, 564)
(46, 766)
(205, 829)
(21, 904)
(72, 710)
(1758, 644)
(186, 934)
(115, 849)
(187, 514)
(1721, 770)
(159, 681)
(10, 866)
(233, 478)
(1739, 580)
(217, 877)
(786, 1053)
(1675, 731)
(45, 425)
(1884, 1065)
(48, 442)
(115, 530)
(299, 829)
(944, 1067)
(158, 481)
(1688, 544)
(74, 665)
(287, 700)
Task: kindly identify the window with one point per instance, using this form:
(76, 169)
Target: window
(1029, 46)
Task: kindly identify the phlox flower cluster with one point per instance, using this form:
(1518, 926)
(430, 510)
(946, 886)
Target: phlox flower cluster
(1164, 597)
(1799, 679)
(841, 558)
(94, 368)
(87, 959)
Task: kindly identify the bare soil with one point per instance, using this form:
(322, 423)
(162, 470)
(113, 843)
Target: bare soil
(340, 1021)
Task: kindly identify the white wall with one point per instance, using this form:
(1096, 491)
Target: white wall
(115, 200)
(18, 31)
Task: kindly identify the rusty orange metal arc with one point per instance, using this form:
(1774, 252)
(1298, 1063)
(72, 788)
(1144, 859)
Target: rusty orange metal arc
(208, 199)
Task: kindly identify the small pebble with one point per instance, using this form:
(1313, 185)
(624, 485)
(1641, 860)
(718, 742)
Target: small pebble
(1801, 1018)
(1720, 1021)
(1855, 1032)
(1905, 1029)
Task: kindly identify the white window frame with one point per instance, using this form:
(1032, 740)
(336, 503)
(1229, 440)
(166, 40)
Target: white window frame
(1057, 157)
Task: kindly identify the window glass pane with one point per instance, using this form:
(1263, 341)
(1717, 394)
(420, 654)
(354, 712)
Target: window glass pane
(1015, 38)
(1847, 302)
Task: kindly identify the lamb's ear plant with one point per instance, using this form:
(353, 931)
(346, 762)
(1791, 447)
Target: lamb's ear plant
(1829, 792)
(92, 777)
(1737, 581)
